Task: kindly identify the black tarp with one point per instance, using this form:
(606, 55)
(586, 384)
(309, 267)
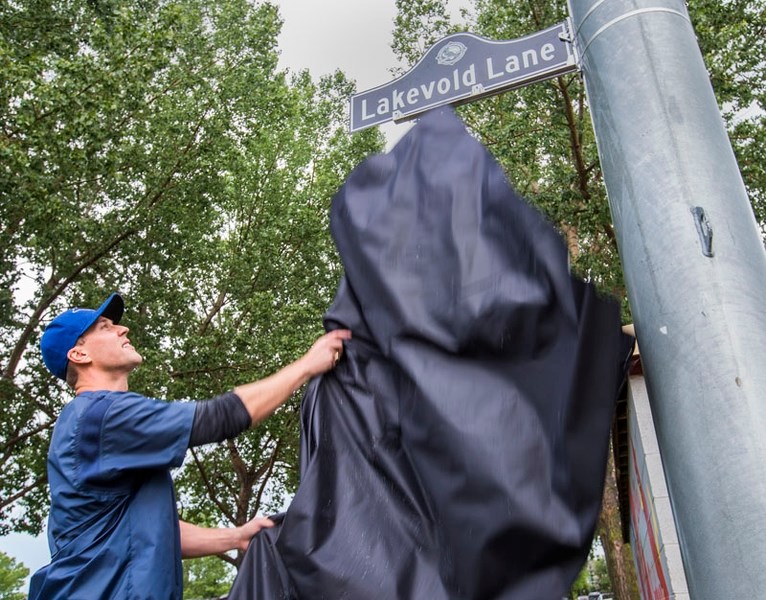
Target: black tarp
(459, 448)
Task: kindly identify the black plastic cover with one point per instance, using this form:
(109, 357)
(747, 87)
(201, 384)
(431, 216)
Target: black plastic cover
(458, 450)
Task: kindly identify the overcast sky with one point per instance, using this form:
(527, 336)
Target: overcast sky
(351, 35)
(322, 36)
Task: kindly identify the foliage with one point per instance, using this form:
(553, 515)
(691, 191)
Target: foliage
(598, 573)
(732, 37)
(153, 147)
(593, 577)
(12, 577)
(207, 577)
(417, 26)
(581, 585)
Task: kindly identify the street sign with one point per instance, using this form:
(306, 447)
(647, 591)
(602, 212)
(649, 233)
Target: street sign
(463, 67)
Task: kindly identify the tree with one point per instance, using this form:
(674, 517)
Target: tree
(153, 147)
(277, 276)
(12, 577)
(619, 563)
(581, 585)
(206, 578)
(731, 37)
(543, 138)
(593, 577)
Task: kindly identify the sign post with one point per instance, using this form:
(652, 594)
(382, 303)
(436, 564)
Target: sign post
(695, 269)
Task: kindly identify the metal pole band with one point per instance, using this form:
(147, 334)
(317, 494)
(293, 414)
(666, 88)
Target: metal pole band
(628, 15)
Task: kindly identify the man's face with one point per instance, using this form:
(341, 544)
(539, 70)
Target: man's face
(109, 348)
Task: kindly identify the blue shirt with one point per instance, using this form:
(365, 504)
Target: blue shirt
(113, 528)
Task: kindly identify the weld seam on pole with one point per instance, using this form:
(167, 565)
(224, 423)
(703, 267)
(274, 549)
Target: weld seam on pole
(628, 15)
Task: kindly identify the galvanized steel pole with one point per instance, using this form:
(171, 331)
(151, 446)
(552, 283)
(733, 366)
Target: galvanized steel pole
(695, 268)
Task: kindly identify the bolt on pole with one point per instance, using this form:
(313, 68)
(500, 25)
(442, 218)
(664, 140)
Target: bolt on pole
(695, 269)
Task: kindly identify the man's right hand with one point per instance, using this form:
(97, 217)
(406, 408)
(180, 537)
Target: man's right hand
(263, 397)
(325, 353)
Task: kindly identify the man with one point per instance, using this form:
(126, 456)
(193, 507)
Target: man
(113, 528)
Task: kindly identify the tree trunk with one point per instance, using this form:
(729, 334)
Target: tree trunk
(619, 559)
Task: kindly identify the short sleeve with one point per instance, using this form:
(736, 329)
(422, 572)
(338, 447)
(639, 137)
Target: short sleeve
(124, 432)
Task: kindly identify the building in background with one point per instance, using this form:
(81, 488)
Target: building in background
(647, 514)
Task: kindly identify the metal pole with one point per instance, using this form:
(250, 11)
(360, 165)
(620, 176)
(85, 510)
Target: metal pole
(695, 269)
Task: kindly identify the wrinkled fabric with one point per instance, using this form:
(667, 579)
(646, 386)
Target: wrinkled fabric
(113, 526)
(458, 450)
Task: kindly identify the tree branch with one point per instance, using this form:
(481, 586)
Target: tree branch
(267, 475)
(47, 300)
(42, 480)
(574, 140)
(9, 444)
(210, 488)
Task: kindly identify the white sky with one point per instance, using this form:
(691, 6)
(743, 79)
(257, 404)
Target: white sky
(322, 36)
(351, 35)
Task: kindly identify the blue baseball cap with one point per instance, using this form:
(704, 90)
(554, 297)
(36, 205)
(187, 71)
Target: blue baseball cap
(61, 334)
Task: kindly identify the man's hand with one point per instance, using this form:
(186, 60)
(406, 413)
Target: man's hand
(325, 353)
(249, 529)
(203, 541)
(263, 397)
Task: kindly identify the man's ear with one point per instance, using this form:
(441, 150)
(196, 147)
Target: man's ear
(78, 355)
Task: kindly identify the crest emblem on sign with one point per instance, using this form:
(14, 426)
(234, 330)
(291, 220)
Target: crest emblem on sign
(451, 53)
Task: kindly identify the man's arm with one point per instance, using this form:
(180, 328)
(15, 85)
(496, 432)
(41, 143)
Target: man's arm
(263, 397)
(230, 414)
(203, 541)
